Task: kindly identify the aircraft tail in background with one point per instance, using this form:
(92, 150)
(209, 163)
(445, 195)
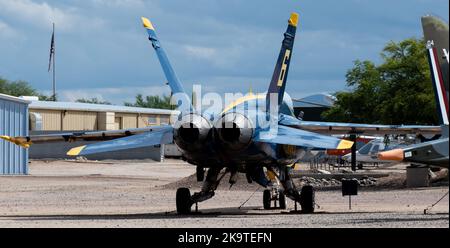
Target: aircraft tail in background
(436, 36)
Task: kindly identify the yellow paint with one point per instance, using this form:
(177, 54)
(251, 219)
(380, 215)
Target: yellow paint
(242, 100)
(271, 175)
(75, 151)
(345, 144)
(293, 21)
(147, 23)
(282, 75)
(16, 141)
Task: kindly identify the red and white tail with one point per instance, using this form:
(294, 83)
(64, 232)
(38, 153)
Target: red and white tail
(436, 35)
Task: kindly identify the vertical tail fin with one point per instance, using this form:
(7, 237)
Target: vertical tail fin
(182, 99)
(278, 83)
(436, 36)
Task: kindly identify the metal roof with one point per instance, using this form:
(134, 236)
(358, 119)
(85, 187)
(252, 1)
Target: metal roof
(13, 98)
(315, 101)
(96, 107)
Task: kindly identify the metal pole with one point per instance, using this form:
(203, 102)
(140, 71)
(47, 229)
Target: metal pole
(350, 202)
(353, 138)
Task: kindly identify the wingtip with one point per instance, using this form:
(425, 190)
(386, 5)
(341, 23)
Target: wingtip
(293, 20)
(344, 144)
(17, 141)
(147, 23)
(75, 151)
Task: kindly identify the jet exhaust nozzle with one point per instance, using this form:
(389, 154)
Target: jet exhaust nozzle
(234, 131)
(191, 131)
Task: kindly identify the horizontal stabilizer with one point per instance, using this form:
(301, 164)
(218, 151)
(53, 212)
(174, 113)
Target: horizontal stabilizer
(298, 137)
(157, 137)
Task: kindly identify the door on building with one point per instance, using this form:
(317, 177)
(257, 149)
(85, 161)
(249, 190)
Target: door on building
(117, 123)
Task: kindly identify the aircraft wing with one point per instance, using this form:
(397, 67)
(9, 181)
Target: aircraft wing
(298, 137)
(27, 141)
(352, 128)
(157, 137)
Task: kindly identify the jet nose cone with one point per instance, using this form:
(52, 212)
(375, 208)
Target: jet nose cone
(394, 155)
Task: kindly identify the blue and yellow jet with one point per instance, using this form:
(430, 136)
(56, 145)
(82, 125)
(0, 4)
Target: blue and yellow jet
(264, 141)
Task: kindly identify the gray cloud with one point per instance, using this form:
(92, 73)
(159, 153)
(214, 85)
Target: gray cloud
(223, 44)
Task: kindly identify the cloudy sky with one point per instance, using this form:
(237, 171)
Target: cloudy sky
(227, 46)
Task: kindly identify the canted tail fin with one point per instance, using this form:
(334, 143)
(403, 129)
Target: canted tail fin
(278, 84)
(436, 36)
(181, 99)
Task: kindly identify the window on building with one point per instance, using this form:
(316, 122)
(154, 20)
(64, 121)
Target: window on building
(164, 120)
(152, 120)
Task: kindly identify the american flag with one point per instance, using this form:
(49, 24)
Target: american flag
(52, 50)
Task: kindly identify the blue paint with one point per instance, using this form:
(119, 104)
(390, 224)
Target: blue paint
(13, 122)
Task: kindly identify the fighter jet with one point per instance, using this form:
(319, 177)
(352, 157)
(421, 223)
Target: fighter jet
(433, 152)
(256, 133)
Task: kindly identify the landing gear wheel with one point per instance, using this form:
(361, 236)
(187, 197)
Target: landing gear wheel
(184, 202)
(267, 199)
(282, 200)
(307, 199)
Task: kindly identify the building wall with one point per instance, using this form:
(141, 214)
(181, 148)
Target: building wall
(61, 120)
(13, 122)
(79, 120)
(51, 119)
(129, 120)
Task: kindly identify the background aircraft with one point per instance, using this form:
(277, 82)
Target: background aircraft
(369, 152)
(236, 139)
(433, 152)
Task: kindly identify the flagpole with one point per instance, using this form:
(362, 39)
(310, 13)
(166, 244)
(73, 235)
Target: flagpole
(54, 58)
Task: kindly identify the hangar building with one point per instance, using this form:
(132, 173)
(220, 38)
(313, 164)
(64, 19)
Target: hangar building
(72, 116)
(313, 106)
(13, 122)
(59, 117)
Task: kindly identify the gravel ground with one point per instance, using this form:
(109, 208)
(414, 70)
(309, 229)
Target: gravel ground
(137, 194)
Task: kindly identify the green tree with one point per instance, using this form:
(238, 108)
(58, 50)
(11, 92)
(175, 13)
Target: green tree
(20, 88)
(398, 91)
(93, 101)
(151, 102)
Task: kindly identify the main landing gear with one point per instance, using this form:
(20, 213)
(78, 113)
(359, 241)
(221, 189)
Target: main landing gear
(184, 199)
(275, 195)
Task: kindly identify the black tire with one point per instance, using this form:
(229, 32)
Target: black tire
(282, 200)
(200, 174)
(183, 200)
(267, 198)
(307, 199)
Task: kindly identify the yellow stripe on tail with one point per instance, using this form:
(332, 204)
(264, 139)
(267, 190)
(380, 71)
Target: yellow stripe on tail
(345, 144)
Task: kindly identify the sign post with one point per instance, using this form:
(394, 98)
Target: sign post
(349, 187)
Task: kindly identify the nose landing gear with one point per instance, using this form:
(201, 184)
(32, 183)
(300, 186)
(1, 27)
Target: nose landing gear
(274, 196)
